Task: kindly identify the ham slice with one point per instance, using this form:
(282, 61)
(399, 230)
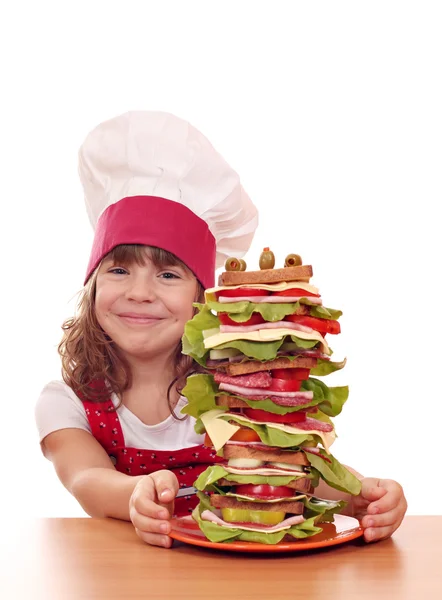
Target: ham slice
(262, 379)
(256, 392)
(266, 325)
(269, 299)
(265, 471)
(208, 515)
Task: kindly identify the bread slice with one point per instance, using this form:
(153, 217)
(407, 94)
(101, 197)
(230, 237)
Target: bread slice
(254, 366)
(287, 506)
(300, 485)
(267, 276)
(270, 455)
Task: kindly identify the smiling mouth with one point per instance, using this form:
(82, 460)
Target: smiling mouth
(139, 319)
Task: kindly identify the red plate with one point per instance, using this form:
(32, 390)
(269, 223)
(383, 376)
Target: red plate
(344, 529)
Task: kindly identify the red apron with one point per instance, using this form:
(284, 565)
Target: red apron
(187, 463)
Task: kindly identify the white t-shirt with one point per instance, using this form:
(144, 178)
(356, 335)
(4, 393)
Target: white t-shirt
(58, 407)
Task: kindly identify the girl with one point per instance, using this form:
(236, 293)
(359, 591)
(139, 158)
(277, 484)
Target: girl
(167, 210)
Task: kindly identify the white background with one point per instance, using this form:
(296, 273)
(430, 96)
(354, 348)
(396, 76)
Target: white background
(331, 113)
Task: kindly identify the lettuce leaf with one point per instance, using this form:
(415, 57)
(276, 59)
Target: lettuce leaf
(332, 399)
(335, 474)
(276, 437)
(201, 390)
(213, 474)
(325, 367)
(242, 311)
(217, 533)
(325, 508)
(193, 340)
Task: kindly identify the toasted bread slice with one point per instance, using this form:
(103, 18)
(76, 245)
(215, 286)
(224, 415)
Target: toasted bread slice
(287, 506)
(254, 366)
(300, 273)
(269, 455)
(300, 485)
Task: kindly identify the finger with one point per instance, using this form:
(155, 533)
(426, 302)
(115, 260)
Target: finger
(149, 525)
(155, 539)
(166, 487)
(383, 520)
(143, 505)
(371, 489)
(391, 499)
(375, 534)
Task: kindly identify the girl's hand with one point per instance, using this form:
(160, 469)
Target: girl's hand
(380, 507)
(151, 506)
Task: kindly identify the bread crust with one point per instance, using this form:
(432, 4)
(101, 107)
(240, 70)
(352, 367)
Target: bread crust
(267, 276)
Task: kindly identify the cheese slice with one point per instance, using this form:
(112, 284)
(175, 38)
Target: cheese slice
(263, 335)
(271, 287)
(327, 437)
(220, 431)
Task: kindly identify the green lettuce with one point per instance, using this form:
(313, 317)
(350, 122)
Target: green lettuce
(335, 474)
(326, 509)
(211, 475)
(193, 340)
(201, 390)
(275, 437)
(217, 533)
(242, 311)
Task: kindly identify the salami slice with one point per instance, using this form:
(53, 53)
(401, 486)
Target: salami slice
(263, 379)
(310, 423)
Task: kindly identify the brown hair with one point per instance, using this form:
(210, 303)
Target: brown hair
(89, 356)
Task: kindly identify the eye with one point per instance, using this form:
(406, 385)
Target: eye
(118, 271)
(169, 275)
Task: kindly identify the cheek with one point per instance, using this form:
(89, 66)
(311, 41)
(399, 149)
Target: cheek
(103, 303)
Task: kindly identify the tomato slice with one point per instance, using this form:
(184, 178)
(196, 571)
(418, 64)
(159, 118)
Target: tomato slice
(241, 292)
(264, 491)
(321, 325)
(245, 435)
(291, 374)
(284, 385)
(207, 441)
(296, 292)
(255, 319)
(265, 417)
(261, 517)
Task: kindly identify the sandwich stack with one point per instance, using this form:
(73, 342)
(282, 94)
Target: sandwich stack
(260, 340)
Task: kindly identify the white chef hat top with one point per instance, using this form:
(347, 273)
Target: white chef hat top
(151, 178)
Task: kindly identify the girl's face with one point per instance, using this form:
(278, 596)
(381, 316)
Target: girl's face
(143, 307)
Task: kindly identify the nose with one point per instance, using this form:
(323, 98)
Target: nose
(141, 289)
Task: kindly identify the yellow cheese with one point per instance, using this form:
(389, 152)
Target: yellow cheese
(264, 335)
(327, 437)
(220, 431)
(271, 287)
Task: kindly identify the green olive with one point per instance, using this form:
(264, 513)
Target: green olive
(293, 260)
(243, 264)
(267, 259)
(233, 264)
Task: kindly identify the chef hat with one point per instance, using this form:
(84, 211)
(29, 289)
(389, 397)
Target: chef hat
(151, 178)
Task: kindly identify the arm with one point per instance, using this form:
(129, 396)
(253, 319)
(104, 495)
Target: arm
(88, 474)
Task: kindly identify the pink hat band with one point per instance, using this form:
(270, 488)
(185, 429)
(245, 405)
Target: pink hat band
(153, 221)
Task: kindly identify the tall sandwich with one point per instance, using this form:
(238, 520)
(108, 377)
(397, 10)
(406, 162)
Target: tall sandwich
(260, 338)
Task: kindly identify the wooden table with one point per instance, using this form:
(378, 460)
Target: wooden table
(92, 559)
